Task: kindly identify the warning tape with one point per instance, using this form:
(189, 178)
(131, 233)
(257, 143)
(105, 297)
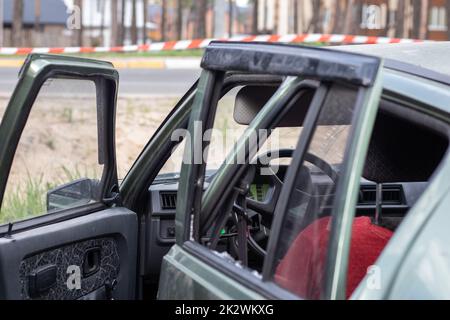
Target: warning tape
(202, 43)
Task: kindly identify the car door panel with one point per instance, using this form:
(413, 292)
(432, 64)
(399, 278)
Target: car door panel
(65, 244)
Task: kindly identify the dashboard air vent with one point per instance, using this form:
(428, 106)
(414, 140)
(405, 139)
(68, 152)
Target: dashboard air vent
(168, 200)
(391, 195)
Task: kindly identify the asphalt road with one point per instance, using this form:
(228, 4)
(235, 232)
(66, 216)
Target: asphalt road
(132, 81)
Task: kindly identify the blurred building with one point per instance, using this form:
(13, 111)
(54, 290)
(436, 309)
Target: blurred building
(425, 19)
(41, 27)
(114, 22)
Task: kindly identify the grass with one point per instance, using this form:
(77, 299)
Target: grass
(30, 198)
(24, 202)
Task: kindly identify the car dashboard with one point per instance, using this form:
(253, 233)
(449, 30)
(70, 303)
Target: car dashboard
(398, 198)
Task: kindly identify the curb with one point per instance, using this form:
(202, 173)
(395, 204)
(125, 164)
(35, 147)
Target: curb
(181, 63)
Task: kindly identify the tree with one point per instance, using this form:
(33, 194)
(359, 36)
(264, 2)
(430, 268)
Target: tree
(202, 8)
(230, 18)
(423, 31)
(296, 17)
(37, 15)
(400, 19)
(16, 32)
(349, 17)
(102, 21)
(1, 24)
(122, 23)
(78, 36)
(163, 19)
(179, 19)
(255, 16)
(340, 11)
(37, 22)
(144, 28)
(114, 24)
(447, 9)
(134, 32)
(420, 17)
(316, 20)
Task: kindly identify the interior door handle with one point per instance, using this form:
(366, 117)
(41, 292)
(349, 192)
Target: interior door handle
(91, 261)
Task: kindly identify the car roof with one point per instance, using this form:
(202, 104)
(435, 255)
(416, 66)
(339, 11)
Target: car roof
(429, 60)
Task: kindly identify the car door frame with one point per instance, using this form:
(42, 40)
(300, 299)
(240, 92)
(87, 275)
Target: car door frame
(258, 58)
(77, 228)
(347, 190)
(36, 69)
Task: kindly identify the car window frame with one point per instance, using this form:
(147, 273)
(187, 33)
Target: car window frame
(37, 69)
(192, 176)
(366, 106)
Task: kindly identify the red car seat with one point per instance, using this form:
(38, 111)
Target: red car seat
(301, 271)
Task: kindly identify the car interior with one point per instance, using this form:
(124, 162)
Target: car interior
(405, 149)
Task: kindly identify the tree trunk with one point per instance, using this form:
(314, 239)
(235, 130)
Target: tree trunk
(356, 17)
(114, 24)
(230, 18)
(202, 6)
(163, 19)
(37, 15)
(144, 27)
(78, 37)
(348, 17)
(122, 29)
(316, 23)
(1, 24)
(255, 16)
(179, 19)
(447, 7)
(387, 22)
(134, 33)
(16, 32)
(423, 31)
(417, 15)
(37, 23)
(339, 16)
(400, 19)
(102, 22)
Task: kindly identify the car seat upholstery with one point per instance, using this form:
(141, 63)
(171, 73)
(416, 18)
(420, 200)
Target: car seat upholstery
(301, 271)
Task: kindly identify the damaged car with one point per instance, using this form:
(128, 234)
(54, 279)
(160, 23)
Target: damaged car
(334, 187)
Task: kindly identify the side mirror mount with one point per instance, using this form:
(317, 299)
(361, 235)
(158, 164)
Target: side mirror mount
(75, 193)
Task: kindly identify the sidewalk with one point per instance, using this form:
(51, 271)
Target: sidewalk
(127, 63)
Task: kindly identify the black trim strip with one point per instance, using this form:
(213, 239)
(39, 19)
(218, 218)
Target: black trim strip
(50, 218)
(283, 59)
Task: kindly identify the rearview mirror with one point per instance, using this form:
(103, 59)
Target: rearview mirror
(252, 98)
(75, 193)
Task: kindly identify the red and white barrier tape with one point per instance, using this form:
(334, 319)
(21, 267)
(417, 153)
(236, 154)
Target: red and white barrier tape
(202, 43)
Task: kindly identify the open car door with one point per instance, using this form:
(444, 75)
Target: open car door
(211, 258)
(64, 233)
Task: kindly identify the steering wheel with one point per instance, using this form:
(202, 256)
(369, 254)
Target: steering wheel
(266, 207)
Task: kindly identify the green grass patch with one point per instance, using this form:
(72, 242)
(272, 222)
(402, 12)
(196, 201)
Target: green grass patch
(29, 199)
